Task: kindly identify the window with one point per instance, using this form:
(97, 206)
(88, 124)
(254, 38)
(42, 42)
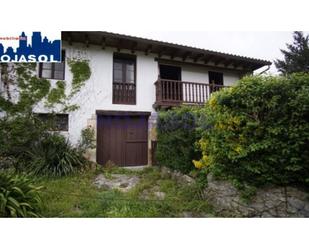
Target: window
(124, 69)
(170, 72)
(59, 122)
(54, 70)
(171, 90)
(215, 78)
(124, 76)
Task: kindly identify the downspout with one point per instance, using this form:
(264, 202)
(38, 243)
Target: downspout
(268, 67)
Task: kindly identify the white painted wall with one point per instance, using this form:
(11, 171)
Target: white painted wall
(200, 74)
(97, 92)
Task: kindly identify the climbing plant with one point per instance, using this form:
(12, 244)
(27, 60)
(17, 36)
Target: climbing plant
(57, 94)
(81, 72)
(23, 89)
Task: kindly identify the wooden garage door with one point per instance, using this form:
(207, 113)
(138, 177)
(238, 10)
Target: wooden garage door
(122, 139)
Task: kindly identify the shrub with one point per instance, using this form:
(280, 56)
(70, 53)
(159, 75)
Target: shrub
(54, 156)
(87, 140)
(6, 163)
(27, 143)
(18, 196)
(177, 134)
(17, 135)
(259, 131)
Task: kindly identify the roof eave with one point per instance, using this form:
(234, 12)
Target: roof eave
(119, 41)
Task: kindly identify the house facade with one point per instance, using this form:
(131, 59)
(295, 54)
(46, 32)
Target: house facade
(131, 79)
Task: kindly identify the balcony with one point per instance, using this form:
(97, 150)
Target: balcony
(124, 93)
(170, 93)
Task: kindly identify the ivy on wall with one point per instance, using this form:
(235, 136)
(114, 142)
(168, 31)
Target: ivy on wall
(21, 129)
(23, 89)
(21, 81)
(56, 95)
(81, 72)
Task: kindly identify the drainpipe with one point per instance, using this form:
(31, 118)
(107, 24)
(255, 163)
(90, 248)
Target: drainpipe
(268, 67)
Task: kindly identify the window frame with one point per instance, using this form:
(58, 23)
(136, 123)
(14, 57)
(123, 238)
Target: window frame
(52, 77)
(58, 128)
(119, 94)
(124, 57)
(216, 72)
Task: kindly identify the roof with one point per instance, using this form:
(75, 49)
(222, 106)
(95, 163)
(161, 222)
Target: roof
(164, 49)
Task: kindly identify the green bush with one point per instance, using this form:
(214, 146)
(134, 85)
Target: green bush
(18, 196)
(27, 143)
(17, 135)
(87, 140)
(177, 134)
(54, 156)
(259, 132)
(7, 163)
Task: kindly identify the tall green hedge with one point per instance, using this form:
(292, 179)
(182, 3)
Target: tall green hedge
(177, 134)
(259, 131)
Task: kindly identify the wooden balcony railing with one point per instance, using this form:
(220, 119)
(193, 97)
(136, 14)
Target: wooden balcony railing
(173, 93)
(124, 93)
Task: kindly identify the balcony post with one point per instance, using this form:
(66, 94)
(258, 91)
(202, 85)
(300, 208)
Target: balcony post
(212, 87)
(158, 86)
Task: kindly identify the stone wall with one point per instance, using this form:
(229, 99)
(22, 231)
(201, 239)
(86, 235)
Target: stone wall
(91, 154)
(268, 202)
(152, 135)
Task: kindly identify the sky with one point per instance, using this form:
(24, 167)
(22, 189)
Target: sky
(257, 44)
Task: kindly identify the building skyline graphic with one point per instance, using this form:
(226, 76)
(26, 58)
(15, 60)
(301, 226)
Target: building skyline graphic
(37, 47)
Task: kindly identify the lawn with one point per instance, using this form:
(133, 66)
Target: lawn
(77, 196)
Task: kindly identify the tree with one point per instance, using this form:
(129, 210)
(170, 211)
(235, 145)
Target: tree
(296, 57)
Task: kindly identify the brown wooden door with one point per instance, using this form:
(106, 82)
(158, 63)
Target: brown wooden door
(123, 140)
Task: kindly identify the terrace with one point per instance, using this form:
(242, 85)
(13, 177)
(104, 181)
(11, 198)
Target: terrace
(170, 93)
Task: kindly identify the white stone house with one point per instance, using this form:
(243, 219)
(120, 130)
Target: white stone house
(132, 78)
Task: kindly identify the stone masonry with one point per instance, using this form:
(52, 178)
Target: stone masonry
(268, 202)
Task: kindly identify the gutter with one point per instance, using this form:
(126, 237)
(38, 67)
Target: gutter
(268, 67)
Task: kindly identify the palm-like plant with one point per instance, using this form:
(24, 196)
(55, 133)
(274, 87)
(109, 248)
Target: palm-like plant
(54, 156)
(18, 196)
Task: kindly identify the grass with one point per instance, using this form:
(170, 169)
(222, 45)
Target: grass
(76, 196)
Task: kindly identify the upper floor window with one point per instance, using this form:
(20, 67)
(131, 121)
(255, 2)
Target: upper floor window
(124, 77)
(215, 78)
(124, 69)
(53, 70)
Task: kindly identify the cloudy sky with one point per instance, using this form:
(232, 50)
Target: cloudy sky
(258, 44)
